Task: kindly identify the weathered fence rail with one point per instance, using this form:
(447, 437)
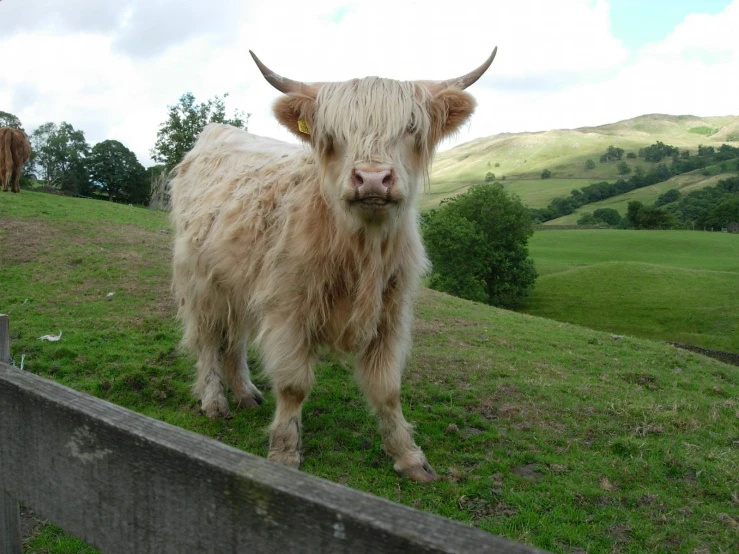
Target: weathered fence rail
(127, 483)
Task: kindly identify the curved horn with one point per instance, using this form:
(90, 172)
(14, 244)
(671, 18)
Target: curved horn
(283, 84)
(465, 80)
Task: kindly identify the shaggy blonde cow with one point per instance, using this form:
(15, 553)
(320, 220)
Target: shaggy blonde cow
(294, 249)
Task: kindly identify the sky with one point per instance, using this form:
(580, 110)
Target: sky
(111, 68)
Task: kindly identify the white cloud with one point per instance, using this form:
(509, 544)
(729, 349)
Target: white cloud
(111, 68)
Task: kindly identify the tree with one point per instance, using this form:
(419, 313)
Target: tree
(587, 218)
(61, 157)
(607, 215)
(184, 123)
(612, 154)
(489, 177)
(10, 120)
(649, 217)
(623, 168)
(631, 156)
(546, 174)
(723, 214)
(115, 169)
(670, 196)
(478, 245)
(589, 164)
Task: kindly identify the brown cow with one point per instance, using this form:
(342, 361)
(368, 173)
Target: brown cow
(297, 249)
(15, 150)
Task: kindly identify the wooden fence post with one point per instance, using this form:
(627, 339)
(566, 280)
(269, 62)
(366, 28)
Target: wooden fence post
(10, 518)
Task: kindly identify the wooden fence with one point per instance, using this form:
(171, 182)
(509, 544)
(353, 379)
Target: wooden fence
(126, 483)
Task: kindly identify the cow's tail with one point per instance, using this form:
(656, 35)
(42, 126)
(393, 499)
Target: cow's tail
(6, 157)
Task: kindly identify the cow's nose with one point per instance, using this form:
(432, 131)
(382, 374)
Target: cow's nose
(374, 181)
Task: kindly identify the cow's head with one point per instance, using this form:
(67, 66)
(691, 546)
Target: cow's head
(374, 137)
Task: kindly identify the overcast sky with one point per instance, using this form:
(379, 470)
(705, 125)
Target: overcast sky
(111, 67)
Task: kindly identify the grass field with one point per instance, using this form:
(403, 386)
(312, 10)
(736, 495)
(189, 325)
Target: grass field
(547, 433)
(521, 157)
(672, 285)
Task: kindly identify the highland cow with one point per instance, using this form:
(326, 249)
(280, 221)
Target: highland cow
(295, 249)
(15, 150)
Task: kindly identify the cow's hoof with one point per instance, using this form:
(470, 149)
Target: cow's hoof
(291, 459)
(217, 407)
(422, 473)
(251, 398)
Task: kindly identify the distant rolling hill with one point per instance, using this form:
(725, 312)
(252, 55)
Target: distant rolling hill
(521, 157)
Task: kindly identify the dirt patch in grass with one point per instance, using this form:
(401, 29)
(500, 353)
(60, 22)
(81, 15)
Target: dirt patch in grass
(24, 240)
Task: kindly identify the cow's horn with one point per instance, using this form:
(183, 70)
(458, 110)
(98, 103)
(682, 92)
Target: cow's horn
(465, 80)
(283, 84)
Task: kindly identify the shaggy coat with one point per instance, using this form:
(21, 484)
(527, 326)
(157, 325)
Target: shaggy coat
(15, 150)
(295, 250)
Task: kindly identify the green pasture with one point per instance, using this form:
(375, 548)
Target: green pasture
(549, 433)
(671, 285)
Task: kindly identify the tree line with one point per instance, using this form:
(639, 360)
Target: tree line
(63, 160)
(711, 208)
(682, 162)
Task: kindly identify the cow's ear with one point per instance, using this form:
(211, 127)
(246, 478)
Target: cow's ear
(295, 112)
(450, 109)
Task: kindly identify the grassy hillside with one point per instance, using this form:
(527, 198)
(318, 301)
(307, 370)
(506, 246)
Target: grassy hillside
(672, 285)
(685, 183)
(523, 156)
(548, 433)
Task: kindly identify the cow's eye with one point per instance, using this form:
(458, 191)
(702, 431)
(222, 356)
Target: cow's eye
(411, 128)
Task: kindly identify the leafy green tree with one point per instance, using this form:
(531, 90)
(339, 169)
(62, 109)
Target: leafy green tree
(10, 120)
(587, 219)
(184, 123)
(115, 169)
(497, 164)
(623, 168)
(546, 174)
(632, 212)
(61, 154)
(489, 177)
(631, 156)
(607, 215)
(723, 214)
(649, 217)
(478, 244)
(589, 164)
(612, 154)
(670, 196)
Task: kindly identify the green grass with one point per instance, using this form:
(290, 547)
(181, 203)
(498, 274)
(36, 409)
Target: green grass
(671, 285)
(523, 156)
(703, 130)
(547, 433)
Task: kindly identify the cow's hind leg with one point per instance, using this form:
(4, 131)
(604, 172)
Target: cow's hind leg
(238, 378)
(209, 386)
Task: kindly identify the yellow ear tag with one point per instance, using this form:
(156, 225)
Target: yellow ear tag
(303, 126)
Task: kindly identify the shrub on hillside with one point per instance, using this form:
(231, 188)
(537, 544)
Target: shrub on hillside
(478, 245)
(607, 215)
(587, 219)
(589, 164)
(546, 174)
(670, 196)
(649, 217)
(623, 168)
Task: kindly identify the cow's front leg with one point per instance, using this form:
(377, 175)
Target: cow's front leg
(290, 364)
(379, 373)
